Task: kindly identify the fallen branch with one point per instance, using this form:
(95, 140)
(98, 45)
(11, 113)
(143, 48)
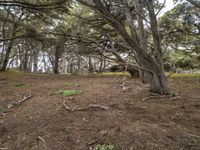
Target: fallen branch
(14, 104)
(98, 139)
(93, 107)
(66, 107)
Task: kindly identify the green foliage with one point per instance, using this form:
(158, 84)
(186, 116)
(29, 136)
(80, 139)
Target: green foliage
(103, 147)
(69, 92)
(116, 68)
(179, 29)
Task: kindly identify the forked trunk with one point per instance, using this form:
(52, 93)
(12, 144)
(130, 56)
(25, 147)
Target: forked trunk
(155, 77)
(158, 83)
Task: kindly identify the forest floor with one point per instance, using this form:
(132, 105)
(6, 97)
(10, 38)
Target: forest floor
(131, 119)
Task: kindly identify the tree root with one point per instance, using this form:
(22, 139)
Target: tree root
(91, 107)
(157, 96)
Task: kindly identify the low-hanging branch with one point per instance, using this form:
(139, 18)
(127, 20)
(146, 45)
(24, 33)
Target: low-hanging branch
(28, 5)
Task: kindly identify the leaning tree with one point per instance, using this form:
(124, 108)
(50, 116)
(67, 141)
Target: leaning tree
(149, 60)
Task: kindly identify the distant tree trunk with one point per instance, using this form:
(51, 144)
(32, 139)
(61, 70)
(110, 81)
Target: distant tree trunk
(35, 61)
(25, 59)
(9, 48)
(90, 65)
(56, 61)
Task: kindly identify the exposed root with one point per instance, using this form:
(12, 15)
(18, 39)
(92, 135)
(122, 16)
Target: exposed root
(169, 75)
(158, 96)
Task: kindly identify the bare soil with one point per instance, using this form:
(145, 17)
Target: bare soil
(133, 120)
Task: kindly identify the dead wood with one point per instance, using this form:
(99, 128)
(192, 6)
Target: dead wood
(98, 139)
(157, 96)
(18, 103)
(91, 107)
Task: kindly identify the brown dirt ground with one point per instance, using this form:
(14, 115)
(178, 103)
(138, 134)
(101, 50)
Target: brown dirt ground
(42, 123)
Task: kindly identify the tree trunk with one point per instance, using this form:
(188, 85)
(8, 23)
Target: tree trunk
(90, 65)
(56, 62)
(155, 75)
(8, 50)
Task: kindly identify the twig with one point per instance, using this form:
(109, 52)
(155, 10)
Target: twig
(97, 140)
(19, 102)
(66, 107)
(174, 97)
(94, 106)
(40, 138)
(86, 108)
(192, 135)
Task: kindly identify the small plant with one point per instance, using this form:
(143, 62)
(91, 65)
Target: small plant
(69, 92)
(19, 84)
(71, 84)
(103, 147)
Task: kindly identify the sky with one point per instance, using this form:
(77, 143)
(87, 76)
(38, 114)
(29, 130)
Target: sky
(168, 5)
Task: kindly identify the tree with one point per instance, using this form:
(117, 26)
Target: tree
(180, 32)
(151, 64)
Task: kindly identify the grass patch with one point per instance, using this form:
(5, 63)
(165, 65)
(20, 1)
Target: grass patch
(69, 92)
(114, 74)
(186, 75)
(71, 84)
(103, 147)
(15, 73)
(19, 84)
